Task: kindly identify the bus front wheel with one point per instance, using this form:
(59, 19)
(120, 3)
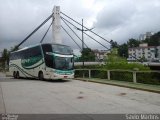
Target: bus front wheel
(41, 77)
(17, 75)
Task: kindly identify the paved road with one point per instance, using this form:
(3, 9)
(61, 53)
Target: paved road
(33, 96)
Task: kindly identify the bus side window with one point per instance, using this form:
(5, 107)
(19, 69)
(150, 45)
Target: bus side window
(26, 54)
(11, 56)
(36, 51)
(15, 56)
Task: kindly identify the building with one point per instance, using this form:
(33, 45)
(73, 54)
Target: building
(158, 52)
(100, 54)
(146, 35)
(144, 52)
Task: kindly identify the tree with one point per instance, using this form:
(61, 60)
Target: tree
(87, 55)
(114, 61)
(154, 40)
(4, 58)
(113, 57)
(5, 54)
(133, 43)
(114, 44)
(123, 50)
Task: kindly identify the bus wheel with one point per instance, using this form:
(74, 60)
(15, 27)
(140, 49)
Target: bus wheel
(41, 77)
(17, 75)
(14, 74)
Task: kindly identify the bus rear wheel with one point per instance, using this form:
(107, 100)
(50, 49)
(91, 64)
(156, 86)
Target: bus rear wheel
(14, 74)
(40, 76)
(17, 75)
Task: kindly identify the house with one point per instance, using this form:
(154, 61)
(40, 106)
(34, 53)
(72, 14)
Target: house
(100, 54)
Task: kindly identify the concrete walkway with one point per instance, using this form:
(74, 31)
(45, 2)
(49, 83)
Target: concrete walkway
(24, 96)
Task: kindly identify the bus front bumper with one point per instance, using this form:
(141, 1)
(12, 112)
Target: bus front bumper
(57, 76)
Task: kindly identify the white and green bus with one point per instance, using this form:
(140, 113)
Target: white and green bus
(42, 61)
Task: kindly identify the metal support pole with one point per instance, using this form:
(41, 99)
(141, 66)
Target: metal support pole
(82, 49)
(82, 44)
(82, 39)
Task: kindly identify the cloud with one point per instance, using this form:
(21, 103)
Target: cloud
(128, 19)
(113, 19)
(20, 18)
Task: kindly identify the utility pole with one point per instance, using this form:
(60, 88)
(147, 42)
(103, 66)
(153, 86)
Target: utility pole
(82, 45)
(83, 40)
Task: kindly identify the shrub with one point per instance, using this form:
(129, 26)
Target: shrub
(122, 76)
(126, 66)
(148, 78)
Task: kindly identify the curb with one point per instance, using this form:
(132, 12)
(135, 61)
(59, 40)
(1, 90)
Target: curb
(148, 90)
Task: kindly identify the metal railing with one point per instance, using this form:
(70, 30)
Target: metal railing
(147, 77)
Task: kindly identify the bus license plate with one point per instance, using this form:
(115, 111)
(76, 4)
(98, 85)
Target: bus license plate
(65, 76)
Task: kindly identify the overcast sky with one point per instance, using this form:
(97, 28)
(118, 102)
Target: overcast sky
(113, 19)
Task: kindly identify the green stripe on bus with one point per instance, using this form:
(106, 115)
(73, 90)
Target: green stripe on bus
(14, 65)
(28, 63)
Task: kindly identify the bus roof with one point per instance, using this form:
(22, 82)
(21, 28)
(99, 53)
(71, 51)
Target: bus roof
(24, 48)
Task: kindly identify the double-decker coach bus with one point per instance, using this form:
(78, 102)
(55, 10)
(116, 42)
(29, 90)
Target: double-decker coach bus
(43, 61)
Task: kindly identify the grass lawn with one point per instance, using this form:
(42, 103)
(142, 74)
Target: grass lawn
(140, 86)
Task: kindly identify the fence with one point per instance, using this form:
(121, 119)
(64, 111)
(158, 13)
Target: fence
(147, 77)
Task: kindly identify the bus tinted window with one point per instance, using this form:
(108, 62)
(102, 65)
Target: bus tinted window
(35, 51)
(30, 52)
(12, 56)
(48, 58)
(62, 49)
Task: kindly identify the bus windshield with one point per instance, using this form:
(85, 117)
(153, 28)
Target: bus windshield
(62, 49)
(63, 63)
(58, 56)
